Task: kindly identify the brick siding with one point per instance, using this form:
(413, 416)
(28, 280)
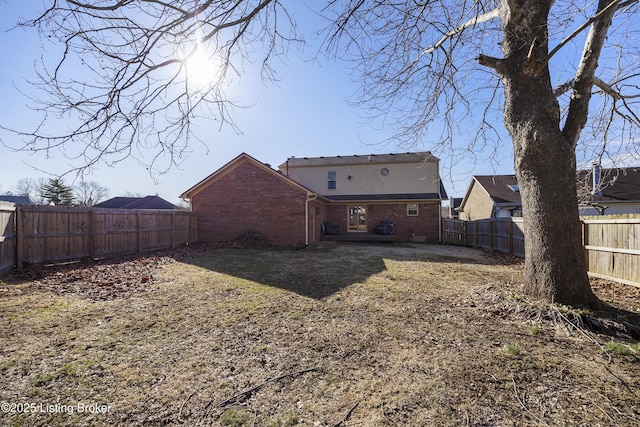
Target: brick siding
(427, 223)
(249, 198)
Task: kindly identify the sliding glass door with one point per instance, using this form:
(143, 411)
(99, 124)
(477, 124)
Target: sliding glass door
(357, 218)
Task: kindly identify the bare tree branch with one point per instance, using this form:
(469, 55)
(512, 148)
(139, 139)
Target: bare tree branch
(135, 94)
(478, 19)
(579, 105)
(609, 9)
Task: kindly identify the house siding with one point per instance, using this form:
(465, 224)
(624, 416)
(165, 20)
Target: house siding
(477, 206)
(367, 178)
(250, 198)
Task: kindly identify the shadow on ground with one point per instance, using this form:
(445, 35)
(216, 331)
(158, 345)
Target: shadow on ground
(319, 272)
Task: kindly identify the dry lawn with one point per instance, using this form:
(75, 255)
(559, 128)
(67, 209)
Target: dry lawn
(340, 335)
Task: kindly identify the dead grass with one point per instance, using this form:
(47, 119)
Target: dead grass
(337, 335)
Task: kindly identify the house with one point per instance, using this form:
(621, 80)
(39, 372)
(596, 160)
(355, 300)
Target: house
(308, 196)
(491, 196)
(147, 202)
(16, 200)
(600, 191)
(609, 191)
(248, 195)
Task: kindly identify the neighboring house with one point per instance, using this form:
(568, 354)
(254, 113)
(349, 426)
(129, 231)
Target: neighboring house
(16, 200)
(290, 206)
(496, 196)
(609, 191)
(600, 191)
(452, 209)
(148, 202)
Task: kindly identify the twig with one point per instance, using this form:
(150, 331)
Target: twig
(521, 401)
(182, 406)
(515, 389)
(581, 330)
(346, 416)
(248, 392)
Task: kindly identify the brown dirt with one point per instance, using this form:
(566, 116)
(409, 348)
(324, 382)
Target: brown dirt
(334, 335)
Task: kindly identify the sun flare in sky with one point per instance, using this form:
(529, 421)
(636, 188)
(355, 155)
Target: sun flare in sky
(202, 70)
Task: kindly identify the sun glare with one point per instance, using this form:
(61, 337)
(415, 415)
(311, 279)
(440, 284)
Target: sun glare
(201, 69)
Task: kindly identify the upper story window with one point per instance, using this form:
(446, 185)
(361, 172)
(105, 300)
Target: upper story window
(332, 183)
(412, 209)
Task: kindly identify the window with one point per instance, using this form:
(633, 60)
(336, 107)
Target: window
(514, 187)
(412, 209)
(331, 180)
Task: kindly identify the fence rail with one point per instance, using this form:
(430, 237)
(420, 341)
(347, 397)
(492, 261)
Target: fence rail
(41, 234)
(611, 244)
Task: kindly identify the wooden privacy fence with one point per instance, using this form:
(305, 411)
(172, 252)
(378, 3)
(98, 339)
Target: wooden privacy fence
(496, 234)
(611, 243)
(612, 247)
(52, 234)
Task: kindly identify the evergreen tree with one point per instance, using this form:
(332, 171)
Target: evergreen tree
(57, 193)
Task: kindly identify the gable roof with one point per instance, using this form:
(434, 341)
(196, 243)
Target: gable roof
(498, 188)
(622, 184)
(18, 200)
(242, 157)
(148, 202)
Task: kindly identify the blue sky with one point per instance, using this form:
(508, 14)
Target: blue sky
(306, 114)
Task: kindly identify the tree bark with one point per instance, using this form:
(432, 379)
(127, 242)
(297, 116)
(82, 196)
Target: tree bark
(545, 162)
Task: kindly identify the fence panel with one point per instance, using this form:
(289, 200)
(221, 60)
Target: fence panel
(517, 237)
(8, 236)
(612, 248)
(611, 243)
(501, 235)
(453, 232)
(483, 234)
(54, 234)
(471, 234)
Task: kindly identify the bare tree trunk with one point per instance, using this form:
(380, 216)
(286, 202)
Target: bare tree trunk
(555, 268)
(545, 163)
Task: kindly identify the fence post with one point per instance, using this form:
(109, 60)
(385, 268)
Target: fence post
(491, 220)
(510, 236)
(19, 237)
(139, 228)
(92, 235)
(475, 234)
(585, 252)
(173, 229)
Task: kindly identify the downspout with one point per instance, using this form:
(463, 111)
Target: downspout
(440, 204)
(440, 222)
(306, 218)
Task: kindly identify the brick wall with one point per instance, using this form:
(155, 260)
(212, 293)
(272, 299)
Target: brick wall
(249, 198)
(427, 223)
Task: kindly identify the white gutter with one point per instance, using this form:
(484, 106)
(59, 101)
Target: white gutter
(306, 217)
